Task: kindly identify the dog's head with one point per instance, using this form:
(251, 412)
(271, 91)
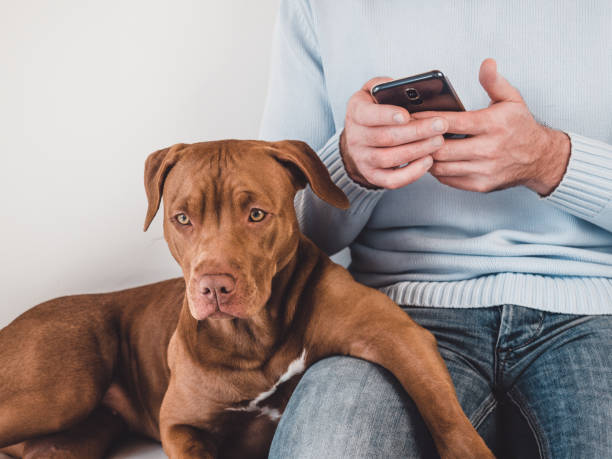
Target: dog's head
(229, 219)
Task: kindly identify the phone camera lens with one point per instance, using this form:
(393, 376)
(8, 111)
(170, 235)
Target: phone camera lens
(412, 94)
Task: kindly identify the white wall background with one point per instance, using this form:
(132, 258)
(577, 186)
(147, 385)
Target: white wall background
(87, 90)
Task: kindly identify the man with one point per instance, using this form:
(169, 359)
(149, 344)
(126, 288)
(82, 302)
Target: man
(499, 243)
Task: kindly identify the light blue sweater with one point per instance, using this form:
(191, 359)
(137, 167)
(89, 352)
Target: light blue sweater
(429, 244)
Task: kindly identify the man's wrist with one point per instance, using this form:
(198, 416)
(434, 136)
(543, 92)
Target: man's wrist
(350, 166)
(555, 152)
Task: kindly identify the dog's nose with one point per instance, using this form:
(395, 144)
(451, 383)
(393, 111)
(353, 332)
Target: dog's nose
(217, 287)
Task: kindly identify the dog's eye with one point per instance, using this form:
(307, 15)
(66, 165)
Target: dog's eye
(257, 215)
(183, 219)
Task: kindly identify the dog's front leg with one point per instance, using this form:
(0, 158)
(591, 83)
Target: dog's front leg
(182, 422)
(187, 442)
(365, 323)
(411, 354)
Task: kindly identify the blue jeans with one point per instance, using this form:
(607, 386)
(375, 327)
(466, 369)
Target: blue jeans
(533, 383)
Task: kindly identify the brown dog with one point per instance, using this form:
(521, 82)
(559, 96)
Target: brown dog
(207, 363)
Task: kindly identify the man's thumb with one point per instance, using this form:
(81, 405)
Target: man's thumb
(497, 86)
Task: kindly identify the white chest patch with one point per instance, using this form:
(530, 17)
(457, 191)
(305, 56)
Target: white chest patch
(295, 368)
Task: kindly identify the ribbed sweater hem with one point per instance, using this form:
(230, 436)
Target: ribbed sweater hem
(567, 295)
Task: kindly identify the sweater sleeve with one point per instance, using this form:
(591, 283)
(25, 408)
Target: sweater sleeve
(586, 188)
(298, 107)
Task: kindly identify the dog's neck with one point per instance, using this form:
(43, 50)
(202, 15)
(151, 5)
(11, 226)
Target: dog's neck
(252, 341)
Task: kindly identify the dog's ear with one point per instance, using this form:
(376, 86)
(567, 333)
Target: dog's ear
(157, 166)
(306, 166)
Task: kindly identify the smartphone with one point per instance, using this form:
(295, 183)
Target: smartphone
(419, 93)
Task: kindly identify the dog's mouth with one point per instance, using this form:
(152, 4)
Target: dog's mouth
(240, 305)
(220, 315)
(201, 309)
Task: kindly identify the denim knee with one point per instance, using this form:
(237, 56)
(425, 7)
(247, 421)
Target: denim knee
(347, 407)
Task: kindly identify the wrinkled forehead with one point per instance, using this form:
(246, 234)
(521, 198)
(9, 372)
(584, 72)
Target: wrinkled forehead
(229, 170)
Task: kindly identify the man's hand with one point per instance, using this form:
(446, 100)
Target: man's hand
(378, 138)
(507, 147)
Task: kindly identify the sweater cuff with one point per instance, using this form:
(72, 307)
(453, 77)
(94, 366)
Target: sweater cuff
(586, 188)
(362, 199)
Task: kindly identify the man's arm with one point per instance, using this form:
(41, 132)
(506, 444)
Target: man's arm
(508, 147)
(297, 107)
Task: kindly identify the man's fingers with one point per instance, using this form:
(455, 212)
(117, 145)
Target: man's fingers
(478, 183)
(363, 109)
(366, 113)
(458, 122)
(397, 178)
(467, 149)
(386, 158)
(461, 183)
(390, 136)
(462, 168)
(496, 86)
